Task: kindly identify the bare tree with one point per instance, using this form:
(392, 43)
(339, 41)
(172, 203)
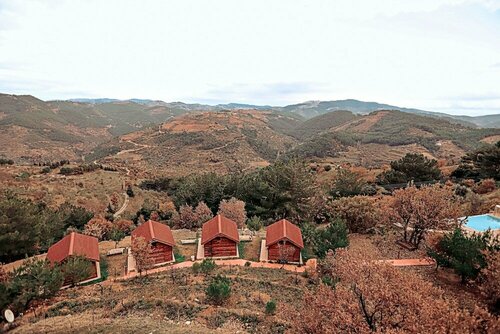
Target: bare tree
(141, 250)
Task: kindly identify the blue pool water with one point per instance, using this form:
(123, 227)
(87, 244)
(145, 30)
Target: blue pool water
(483, 222)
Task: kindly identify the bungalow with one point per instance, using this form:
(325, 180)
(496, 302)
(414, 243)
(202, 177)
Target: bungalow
(219, 238)
(284, 242)
(76, 244)
(160, 237)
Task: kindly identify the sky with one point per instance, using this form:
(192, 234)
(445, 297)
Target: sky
(440, 55)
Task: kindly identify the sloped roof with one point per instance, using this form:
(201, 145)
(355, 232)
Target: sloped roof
(74, 244)
(219, 226)
(283, 229)
(154, 231)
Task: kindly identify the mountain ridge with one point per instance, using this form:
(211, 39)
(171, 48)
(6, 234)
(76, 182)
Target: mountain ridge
(312, 108)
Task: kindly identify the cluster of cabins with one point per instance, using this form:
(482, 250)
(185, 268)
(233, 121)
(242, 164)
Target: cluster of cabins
(219, 240)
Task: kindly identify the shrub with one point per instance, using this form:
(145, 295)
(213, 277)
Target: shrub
(347, 183)
(485, 186)
(490, 280)
(196, 268)
(413, 166)
(98, 227)
(463, 253)
(34, 280)
(254, 223)
(76, 269)
(271, 307)
(331, 238)
(359, 213)
(130, 191)
(4, 161)
(207, 266)
(219, 290)
(116, 235)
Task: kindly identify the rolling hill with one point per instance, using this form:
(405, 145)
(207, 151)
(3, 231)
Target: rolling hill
(206, 141)
(383, 135)
(35, 130)
(312, 109)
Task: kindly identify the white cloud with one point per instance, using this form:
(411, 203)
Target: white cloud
(409, 53)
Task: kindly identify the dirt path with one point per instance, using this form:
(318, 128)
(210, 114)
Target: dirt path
(124, 206)
(411, 262)
(141, 146)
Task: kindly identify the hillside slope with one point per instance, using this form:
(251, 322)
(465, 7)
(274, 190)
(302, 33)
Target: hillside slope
(221, 141)
(34, 130)
(371, 138)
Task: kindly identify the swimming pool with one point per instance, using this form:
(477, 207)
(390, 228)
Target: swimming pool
(482, 223)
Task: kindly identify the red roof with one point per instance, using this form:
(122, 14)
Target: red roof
(283, 229)
(74, 244)
(219, 226)
(154, 231)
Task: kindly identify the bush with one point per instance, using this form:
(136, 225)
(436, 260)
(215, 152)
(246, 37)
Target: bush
(34, 280)
(413, 166)
(463, 253)
(6, 161)
(490, 280)
(485, 186)
(98, 227)
(219, 290)
(347, 183)
(359, 213)
(76, 269)
(207, 266)
(271, 307)
(331, 238)
(254, 223)
(130, 191)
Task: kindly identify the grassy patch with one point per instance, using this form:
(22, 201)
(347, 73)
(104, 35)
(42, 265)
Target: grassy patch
(241, 250)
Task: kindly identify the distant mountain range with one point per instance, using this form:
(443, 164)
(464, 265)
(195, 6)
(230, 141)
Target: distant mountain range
(311, 109)
(33, 130)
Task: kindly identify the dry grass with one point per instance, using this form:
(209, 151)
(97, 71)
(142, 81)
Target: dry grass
(167, 302)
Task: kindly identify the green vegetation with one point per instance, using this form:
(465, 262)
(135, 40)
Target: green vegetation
(271, 307)
(411, 167)
(219, 290)
(76, 269)
(254, 223)
(130, 191)
(4, 161)
(320, 241)
(283, 189)
(348, 183)
(322, 123)
(465, 254)
(480, 164)
(34, 280)
(241, 250)
(29, 228)
(206, 267)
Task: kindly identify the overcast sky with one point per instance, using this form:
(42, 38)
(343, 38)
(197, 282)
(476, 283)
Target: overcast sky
(441, 55)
